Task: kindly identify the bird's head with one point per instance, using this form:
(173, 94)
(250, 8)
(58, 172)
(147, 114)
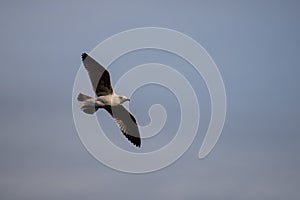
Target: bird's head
(123, 99)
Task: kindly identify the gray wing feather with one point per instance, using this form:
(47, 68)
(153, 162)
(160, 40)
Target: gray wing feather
(126, 122)
(99, 76)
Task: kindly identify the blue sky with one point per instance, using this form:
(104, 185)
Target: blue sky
(255, 44)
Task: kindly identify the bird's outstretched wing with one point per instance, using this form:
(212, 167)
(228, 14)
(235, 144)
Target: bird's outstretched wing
(126, 123)
(98, 74)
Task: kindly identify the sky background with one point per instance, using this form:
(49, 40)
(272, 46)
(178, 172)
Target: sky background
(255, 45)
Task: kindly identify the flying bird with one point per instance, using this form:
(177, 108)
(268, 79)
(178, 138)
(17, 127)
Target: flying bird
(108, 100)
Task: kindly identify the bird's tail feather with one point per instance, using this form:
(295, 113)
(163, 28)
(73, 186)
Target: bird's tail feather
(87, 103)
(83, 97)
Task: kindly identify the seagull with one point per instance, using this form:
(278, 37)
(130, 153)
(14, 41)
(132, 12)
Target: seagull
(108, 100)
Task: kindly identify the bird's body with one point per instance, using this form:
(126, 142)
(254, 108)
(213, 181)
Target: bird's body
(87, 102)
(108, 100)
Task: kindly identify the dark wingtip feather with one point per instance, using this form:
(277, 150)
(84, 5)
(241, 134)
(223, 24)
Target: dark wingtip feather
(134, 140)
(83, 56)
